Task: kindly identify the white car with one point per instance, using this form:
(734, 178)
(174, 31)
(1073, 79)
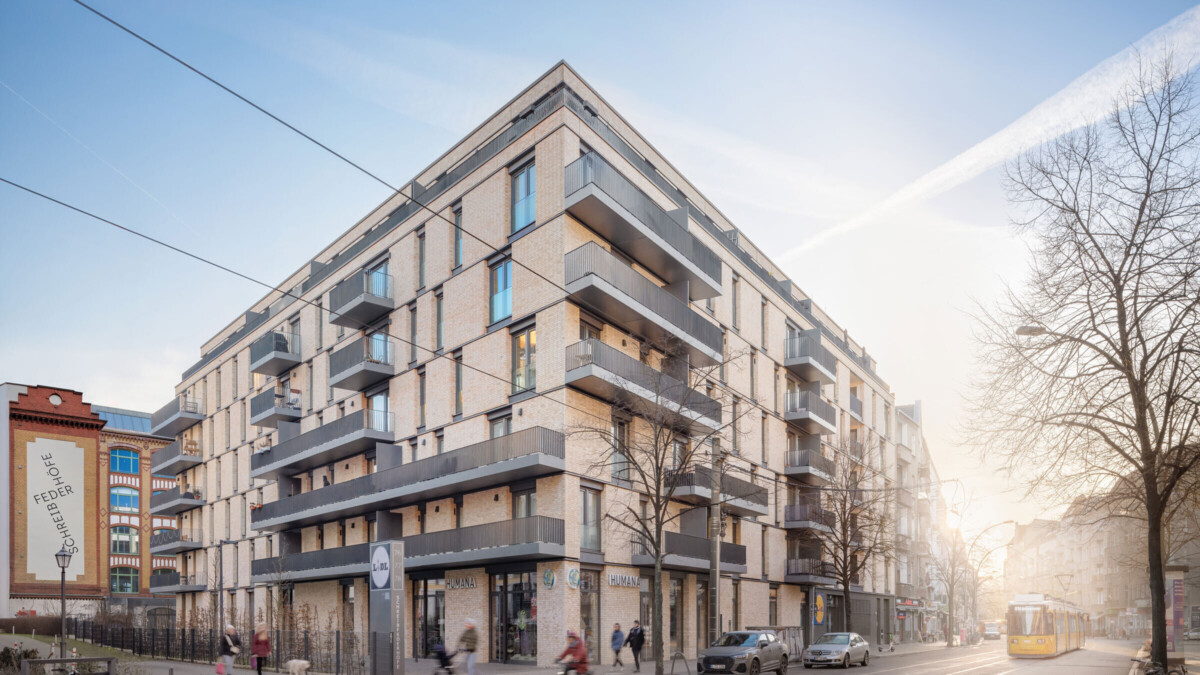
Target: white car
(1193, 634)
(837, 649)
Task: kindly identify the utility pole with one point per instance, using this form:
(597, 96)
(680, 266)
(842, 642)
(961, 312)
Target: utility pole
(714, 540)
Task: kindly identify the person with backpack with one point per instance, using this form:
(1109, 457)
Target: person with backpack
(636, 639)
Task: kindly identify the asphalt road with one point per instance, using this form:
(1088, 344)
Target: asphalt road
(1099, 657)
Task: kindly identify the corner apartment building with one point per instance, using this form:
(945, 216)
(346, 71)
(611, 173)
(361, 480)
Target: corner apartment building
(424, 374)
(78, 475)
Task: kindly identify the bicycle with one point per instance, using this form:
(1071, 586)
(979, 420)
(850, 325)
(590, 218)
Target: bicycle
(1154, 668)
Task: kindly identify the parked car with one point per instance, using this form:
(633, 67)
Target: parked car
(1193, 634)
(837, 649)
(748, 652)
(991, 630)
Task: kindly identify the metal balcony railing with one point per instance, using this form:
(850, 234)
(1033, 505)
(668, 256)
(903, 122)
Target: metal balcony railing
(173, 579)
(362, 350)
(270, 398)
(904, 497)
(801, 346)
(905, 590)
(798, 400)
(810, 566)
(803, 511)
(731, 487)
(275, 341)
(365, 282)
(688, 546)
(518, 444)
(179, 404)
(856, 406)
(168, 496)
(374, 420)
(591, 168)
(674, 393)
(175, 450)
(592, 259)
(799, 459)
(168, 537)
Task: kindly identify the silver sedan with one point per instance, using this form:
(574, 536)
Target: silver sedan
(837, 649)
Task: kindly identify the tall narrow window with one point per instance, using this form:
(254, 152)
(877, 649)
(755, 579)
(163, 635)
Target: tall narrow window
(123, 500)
(763, 432)
(235, 377)
(458, 239)
(421, 260)
(733, 302)
(524, 503)
(501, 305)
(458, 384)
(724, 355)
(524, 364)
(589, 519)
(441, 443)
(762, 327)
(440, 305)
(421, 398)
(620, 450)
(523, 191)
(501, 426)
(733, 426)
(320, 326)
(412, 333)
(754, 375)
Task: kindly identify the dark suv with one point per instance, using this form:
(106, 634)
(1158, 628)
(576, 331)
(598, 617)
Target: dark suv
(746, 652)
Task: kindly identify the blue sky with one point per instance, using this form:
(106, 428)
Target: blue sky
(792, 117)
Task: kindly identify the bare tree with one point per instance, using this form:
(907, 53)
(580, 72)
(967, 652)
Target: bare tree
(1090, 372)
(953, 569)
(661, 440)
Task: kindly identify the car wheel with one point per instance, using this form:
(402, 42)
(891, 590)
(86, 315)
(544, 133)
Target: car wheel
(753, 668)
(866, 658)
(783, 665)
(846, 660)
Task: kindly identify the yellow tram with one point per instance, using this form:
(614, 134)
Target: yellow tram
(1042, 625)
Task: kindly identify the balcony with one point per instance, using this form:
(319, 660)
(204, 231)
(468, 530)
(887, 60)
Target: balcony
(524, 454)
(173, 582)
(807, 358)
(275, 353)
(905, 454)
(174, 459)
(806, 517)
(597, 194)
(740, 497)
(856, 408)
(603, 283)
(906, 590)
(357, 432)
(809, 571)
(174, 502)
(810, 412)
(171, 542)
(904, 497)
(173, 418)
(362, 363)
(613, 376)
(516, 540)
(271, 407)
(903, 542)
(924, 506)
(691, 554)
(809, 466)
(919, 547)
(361, 299)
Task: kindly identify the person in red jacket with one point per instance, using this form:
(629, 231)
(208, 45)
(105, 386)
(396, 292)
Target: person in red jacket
(575, 656)
(261, 646)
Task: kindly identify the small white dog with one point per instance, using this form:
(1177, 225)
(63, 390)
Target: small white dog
(297, 666)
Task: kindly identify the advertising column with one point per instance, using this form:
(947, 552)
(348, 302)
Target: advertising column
(386, 607)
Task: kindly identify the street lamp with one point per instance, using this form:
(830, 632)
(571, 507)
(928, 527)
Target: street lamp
(64, 561)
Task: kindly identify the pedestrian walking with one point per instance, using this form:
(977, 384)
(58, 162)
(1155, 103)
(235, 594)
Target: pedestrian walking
(231, 645)
(618, 641)
(467, 642)
(635, 640)
(260, 646)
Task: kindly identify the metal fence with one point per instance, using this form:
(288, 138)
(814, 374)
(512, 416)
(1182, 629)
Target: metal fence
(801, 346)
(595, 352)
(274, 341)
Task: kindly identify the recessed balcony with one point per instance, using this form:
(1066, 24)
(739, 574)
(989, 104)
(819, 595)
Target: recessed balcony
(607, 373)
(174, 502)
(365, 362)
(807, 358)
(172, 542)
(354, 433)
(809, 571)
(269, 408)
(809, 466)
(529, 453)
(804, 516)
(856, 408)
(515, 540)
(599, 196)
(740, 497)
(904, 497)
(175, 458)
(810, 412)
(174, 582)
(182, 413)
(690, 554)
(598, 280)
(275, 353)
(361, 299)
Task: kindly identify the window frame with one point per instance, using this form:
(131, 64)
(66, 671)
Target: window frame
(127, 492)
(524, 378)
(524, 176)
(500, 273)
(119, 456)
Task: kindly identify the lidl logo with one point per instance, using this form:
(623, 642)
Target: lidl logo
(819, 610)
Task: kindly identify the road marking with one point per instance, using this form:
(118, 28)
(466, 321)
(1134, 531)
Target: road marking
(986, 665)
(930, 663)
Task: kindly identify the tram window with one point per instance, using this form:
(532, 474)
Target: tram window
(1028, 621)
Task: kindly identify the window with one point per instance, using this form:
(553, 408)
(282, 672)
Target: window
(524, 503)
(724, 355)
(458, 240)
(524, 364)
(733, 427)
(412, 333)
(123, 580)
(773, 606)
(329, 387)
(523, 191)
(754, 375)
(588, 332)
(589, 519)
(502, 426)
(123, 461)
(679, 450)
(235, 377)
(458, 385)
(441, 443)
(421, 260)
(440, 305)
(242, 426)
(762, 319)
(320, 326)
(733, 303)
(421, 399)
(764, 439)
(501, 305)
(620, 446)
(123, 540)
(776, 390)
(123, 500)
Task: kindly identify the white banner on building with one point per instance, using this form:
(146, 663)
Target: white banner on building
(54, 508)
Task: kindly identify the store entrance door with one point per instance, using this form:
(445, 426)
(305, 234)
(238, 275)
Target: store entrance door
(514, 617)
(589, 612)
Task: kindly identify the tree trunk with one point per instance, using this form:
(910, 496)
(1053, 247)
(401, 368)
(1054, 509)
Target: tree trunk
(657, 613)
(950, 632)
(1158, 584)
(846, 613)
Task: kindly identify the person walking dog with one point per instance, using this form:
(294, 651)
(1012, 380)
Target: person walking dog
(635, 640)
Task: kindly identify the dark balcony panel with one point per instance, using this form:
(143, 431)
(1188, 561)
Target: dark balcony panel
(171, 542)
(806, 516)
(904, 497)
(856, 407)
(529, 453)
(330, 563)
(173, 582)
(361, 299)
(806, 357)
(357, 432)
(809, 466)
(609, 374)
(902, 542)
(810, 412)
(271, 407)
(905, 454)
(809, 571)
(275, 353)
(174, 502)
(603, 283)
(598, 195)
(173, 418)
(365, 362)
(688, 553)
(175, 458)
(738, 496)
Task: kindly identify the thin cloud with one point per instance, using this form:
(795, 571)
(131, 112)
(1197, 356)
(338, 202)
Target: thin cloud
(1083, 100)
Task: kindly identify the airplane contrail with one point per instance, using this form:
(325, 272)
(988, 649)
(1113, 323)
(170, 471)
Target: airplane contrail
(1081, 101)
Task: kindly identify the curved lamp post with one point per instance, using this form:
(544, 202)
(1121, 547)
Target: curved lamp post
(64, 561)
